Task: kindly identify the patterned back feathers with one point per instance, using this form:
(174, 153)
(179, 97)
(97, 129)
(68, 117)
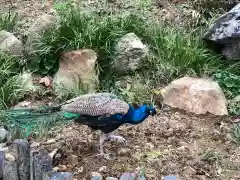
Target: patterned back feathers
(96, 104)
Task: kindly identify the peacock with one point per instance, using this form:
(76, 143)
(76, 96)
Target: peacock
(99, 111)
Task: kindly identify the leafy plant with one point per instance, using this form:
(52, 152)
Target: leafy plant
(229, 82)
(9, 80)
(62, 6)
(236, 133)
(8, 21)
(212, 156)
(234, 106)
(11, 92)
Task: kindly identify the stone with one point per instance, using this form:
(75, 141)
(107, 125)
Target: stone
(10, 44)
(170, 177)
(34, 144)
(130, 51)
(96, 176)
(102, 169)
(196, 95)
(225, 31)
(77, 67)
(43, 23)
(111, 178)
(129, 176)
(3, 135)
(27, 82)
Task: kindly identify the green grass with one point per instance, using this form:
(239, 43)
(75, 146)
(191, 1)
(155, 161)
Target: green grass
(174, 52)
(8, 21)
(236, 133)
(10, 90)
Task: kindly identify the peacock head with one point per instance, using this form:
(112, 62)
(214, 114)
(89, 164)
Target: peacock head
(149, 110)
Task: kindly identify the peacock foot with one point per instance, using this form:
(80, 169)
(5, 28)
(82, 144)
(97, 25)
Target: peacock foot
(117, 138)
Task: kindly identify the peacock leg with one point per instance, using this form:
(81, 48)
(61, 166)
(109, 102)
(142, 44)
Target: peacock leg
(102, 139)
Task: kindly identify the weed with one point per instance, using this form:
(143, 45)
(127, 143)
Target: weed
(234, 106)
(236, 133)
(8, 21)
(10, 90)
(212, 157)
(229, 82)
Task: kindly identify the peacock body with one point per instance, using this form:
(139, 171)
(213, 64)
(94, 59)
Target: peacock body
(100, 111)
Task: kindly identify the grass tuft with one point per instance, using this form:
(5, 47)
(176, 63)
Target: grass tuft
(8, 21)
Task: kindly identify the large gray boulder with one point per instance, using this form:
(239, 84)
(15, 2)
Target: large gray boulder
(130, 51)
(225, 31)
(10, 44)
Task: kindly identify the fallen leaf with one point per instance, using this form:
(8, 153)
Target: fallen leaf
(46, 81)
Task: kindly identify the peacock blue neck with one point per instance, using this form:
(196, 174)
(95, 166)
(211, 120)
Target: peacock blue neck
(136, 116)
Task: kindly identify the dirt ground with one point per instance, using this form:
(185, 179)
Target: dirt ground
(173, 142)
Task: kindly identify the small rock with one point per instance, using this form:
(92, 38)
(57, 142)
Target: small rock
(130, 51)
(3, 135)
(61, 175)
(96, 176)
(236, 120)
(102, 169)
(26, 80)
(111, 178)
(10, 44)
(10, 157)
(196, 95)
(51, 154)
(34, 145)
(170, 178)
(55, 169)
(128, 176)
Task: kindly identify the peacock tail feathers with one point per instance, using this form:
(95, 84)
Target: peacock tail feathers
(28, 121)
(31, 120)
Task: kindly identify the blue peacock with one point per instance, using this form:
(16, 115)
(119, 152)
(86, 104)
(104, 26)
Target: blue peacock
(100, 111)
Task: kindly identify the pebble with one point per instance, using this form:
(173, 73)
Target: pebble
(111, 178)
(128, 176)
(3, 135)
(10, 157)
(50, 141)
(96, 176)
(170, 177)
(34, 145)
(55, 169)
(102, 169)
